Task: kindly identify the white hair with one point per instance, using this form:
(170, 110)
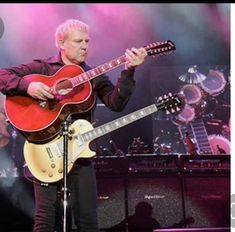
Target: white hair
(64, 28)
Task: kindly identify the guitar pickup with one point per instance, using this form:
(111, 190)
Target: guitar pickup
(49, 152)
(53, 151)
(79, 140)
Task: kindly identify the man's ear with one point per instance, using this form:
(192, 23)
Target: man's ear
(61, 44)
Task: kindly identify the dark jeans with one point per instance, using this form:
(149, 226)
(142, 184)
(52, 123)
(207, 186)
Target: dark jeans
(82, 201)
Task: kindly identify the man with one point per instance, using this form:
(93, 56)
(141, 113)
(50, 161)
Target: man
(72, 39)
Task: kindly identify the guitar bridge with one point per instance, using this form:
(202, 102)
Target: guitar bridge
(43, 104)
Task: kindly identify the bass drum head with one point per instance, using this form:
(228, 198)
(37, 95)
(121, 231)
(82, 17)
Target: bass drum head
(192, 94)
(219, 144)
(215, 83)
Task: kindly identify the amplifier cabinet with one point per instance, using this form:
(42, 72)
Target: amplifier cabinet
(207, 199)
(163, 191)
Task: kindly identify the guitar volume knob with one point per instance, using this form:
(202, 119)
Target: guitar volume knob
(50, 174)
(53, 165)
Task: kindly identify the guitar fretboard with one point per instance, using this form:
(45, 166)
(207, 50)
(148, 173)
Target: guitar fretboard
(95, 72)
(159, 48)
(201, 136)
(198, 132)
(118, 123)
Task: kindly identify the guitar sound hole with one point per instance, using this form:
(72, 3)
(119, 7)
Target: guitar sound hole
(63, 87)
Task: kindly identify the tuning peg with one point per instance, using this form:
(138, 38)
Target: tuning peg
(167, 112)
(177, 108)
(172, 110)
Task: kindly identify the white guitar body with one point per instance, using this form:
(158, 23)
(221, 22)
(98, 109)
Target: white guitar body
(46, 160)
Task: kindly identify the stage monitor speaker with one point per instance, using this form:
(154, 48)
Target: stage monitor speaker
(111, 202)
(207, 199)
(154, 202)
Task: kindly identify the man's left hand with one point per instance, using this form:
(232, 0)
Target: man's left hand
(134, 57)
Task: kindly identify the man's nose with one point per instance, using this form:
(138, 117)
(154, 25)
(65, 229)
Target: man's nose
(84, 44)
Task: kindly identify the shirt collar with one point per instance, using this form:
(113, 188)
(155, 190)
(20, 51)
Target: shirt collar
(57, 60)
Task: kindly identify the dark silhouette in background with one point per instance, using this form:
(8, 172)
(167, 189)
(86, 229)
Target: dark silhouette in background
(143, 221)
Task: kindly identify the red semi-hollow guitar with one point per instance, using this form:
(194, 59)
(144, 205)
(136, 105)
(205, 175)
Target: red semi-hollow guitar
(40, 120)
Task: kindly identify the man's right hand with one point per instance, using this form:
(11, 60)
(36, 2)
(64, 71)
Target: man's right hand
(40, 91)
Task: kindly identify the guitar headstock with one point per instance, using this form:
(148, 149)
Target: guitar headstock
(160, 48)
(169, 103)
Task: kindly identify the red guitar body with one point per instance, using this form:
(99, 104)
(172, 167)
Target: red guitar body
(39, 120)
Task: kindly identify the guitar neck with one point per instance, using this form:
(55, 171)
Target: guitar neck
(155, 49)
(95, 72)
(201, 136)
(118, 123)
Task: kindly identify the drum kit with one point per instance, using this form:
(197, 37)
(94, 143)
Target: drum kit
(138, 147)
(206, 98)
(200, 96)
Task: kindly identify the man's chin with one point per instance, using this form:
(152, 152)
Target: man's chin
(81, 59)
(78, 61)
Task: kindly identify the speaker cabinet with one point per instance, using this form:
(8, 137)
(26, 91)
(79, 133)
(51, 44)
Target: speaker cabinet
(185, 196)
(154, 202)
(111, 202)
(207, 199)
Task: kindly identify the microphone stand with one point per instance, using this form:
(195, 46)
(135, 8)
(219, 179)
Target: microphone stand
(65, 133)
(13, 153)
(126, 185)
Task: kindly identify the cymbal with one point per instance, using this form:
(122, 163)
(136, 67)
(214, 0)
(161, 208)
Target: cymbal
(192, 76)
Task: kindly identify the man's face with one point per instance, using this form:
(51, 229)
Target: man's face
(75, 46)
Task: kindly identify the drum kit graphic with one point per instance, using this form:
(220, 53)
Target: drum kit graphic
(200, 93)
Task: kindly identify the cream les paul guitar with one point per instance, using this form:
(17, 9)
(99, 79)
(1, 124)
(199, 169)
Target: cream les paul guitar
(45, 161)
